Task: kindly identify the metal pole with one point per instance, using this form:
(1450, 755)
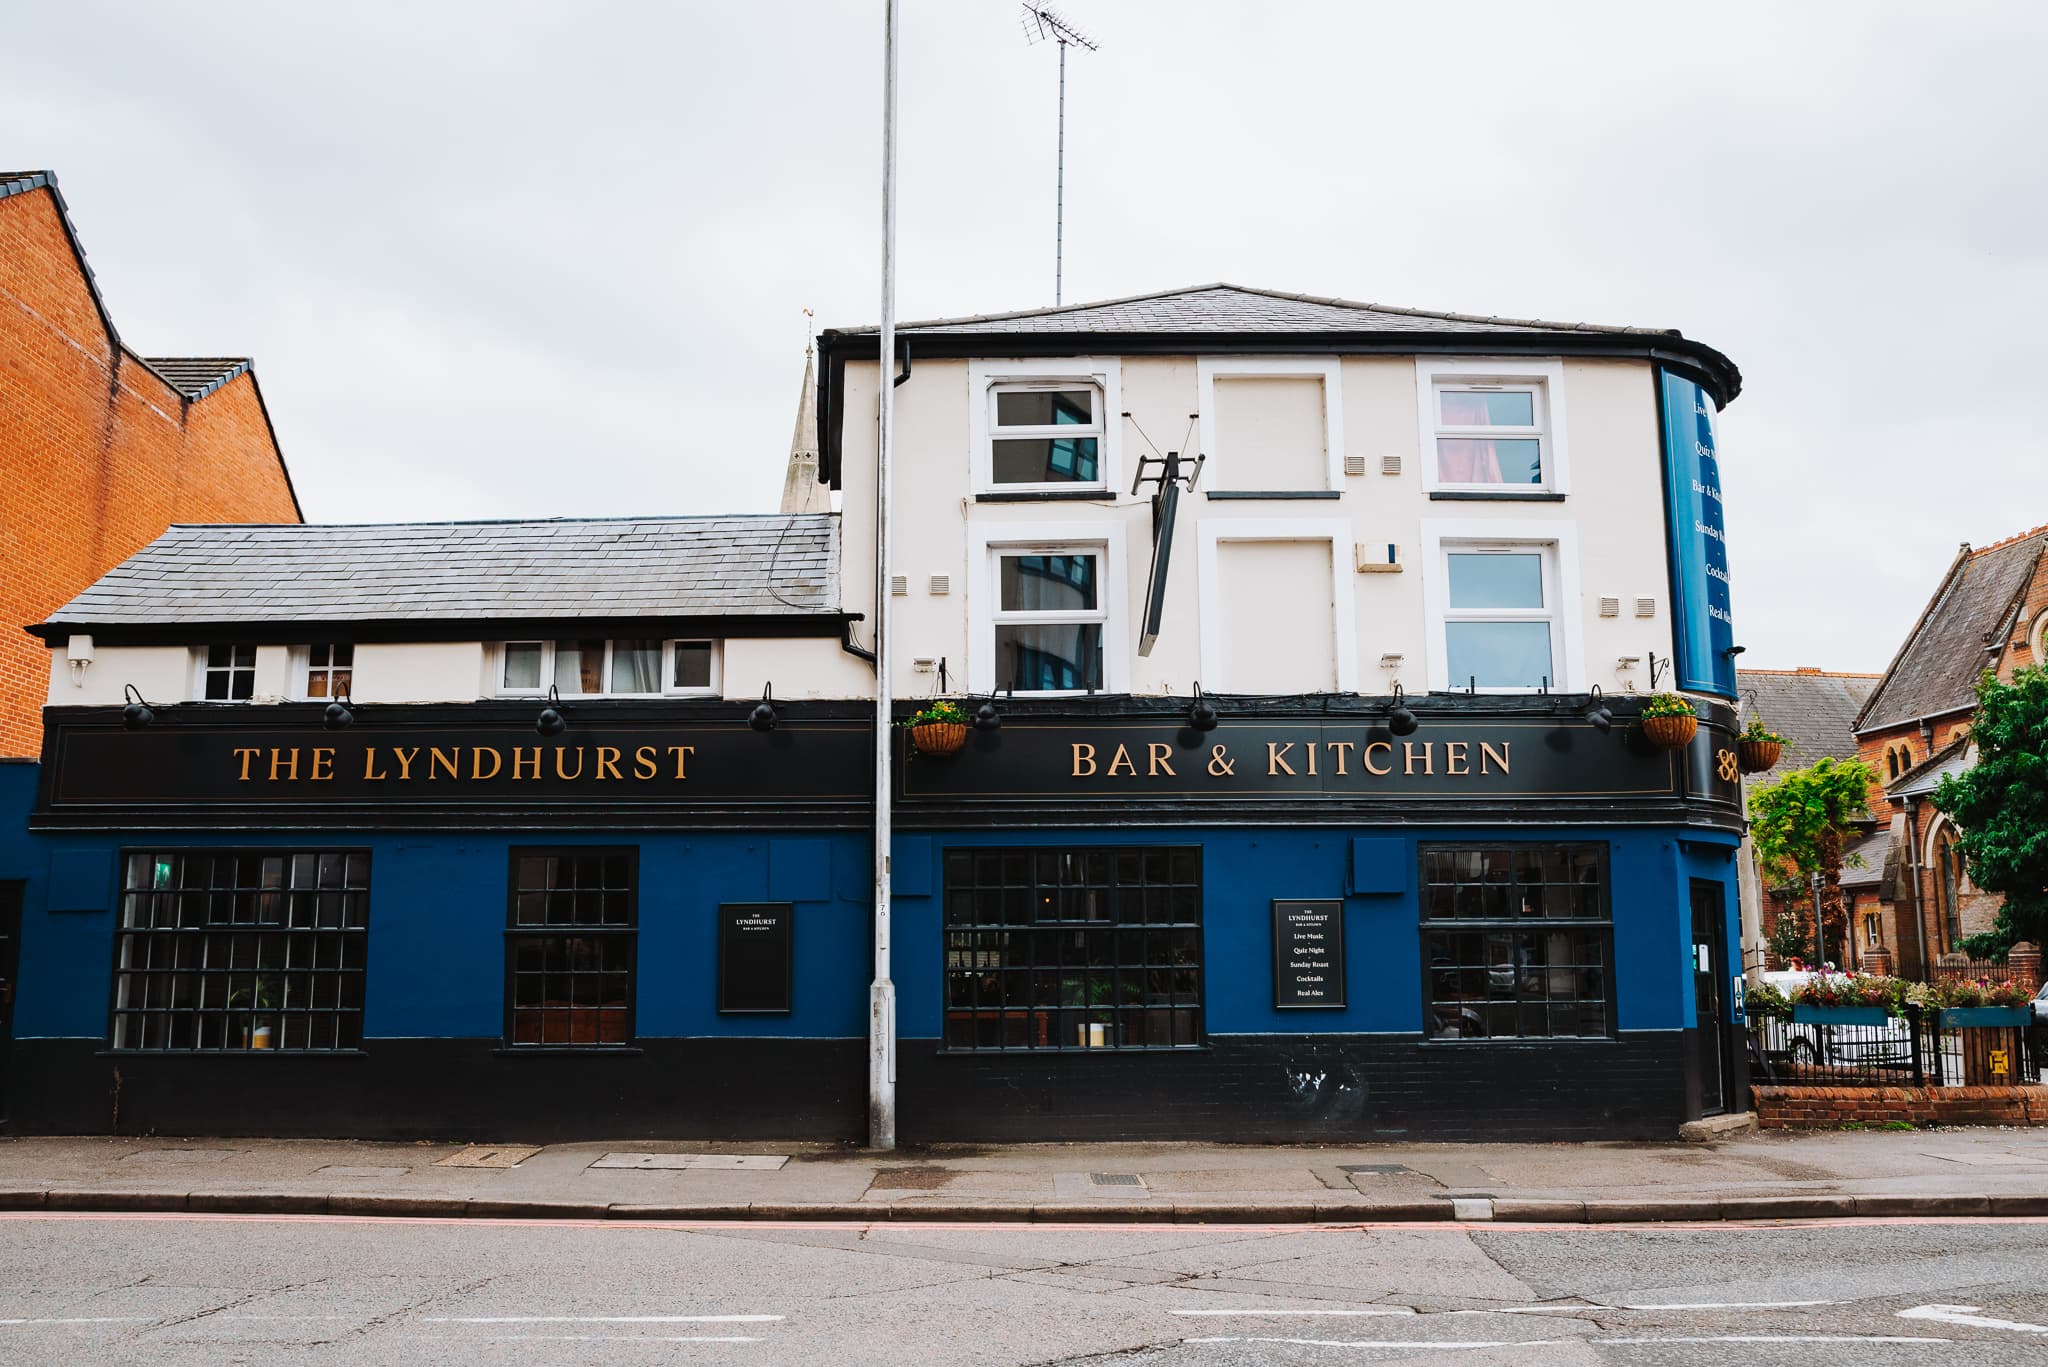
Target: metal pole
(1820, 935)
(1059, 199)
(882, 992)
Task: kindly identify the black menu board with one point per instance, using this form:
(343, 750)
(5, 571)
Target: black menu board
(753, 955)
(1308, 954)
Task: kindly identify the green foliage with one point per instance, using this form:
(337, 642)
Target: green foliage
(1668, 705)
(1791, 935)
(1764, 1000)
(2001, 806)
(1798, 822)
(1757, 733)
(941, 710)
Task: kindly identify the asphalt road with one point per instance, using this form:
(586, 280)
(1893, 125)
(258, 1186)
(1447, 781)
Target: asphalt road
(198, 1289)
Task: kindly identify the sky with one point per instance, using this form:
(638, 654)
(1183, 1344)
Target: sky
(536, 260)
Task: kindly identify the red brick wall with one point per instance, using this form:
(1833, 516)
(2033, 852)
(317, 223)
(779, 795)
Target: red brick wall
(97, 455)
(1811, 1108)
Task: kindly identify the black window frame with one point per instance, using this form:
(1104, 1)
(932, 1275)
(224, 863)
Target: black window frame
(1054, 1026)
(515, 932)
(1602, 925)
(239, 672)
(346, 1015)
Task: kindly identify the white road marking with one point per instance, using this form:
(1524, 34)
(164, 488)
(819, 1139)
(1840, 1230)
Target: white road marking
(1468, 1344)
(83, 1319)
(1518, 1309)
(1967, 1314)
(1728, 1305)
(1778, 1338)
(620, 1338)
(600, 1319)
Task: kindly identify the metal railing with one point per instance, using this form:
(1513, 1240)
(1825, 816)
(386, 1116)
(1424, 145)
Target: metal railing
(1917, 1049)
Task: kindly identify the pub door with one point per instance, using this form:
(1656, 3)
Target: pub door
(1714, 1061)
(10, 958)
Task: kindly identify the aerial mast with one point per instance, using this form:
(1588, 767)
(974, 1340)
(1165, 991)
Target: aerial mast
(1041, 23)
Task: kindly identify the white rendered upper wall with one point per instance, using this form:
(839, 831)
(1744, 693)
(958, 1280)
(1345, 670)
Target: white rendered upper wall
(1282, 593)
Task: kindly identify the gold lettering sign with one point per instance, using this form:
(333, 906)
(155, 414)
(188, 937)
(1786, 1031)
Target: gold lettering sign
(385, 763)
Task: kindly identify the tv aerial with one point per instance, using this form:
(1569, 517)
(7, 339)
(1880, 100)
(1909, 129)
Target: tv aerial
(1042, 24)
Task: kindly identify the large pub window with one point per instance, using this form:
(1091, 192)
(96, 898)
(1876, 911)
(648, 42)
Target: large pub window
(219, 951)
(1518, 941)
(1073, 949)
(570, 948)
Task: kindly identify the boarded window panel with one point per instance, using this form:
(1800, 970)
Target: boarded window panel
(1270, 434)
(1279, 629)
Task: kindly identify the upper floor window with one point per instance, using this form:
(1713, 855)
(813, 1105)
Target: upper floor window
(1045, 427)
(1271, 425)
(1048, 621)
(604, 668)
(1491, 431)
(228, 673)
(1500, 615)
(1047, 433)
(329, 670)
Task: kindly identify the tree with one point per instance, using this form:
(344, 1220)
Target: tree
(2000, 807)
(1797, 825)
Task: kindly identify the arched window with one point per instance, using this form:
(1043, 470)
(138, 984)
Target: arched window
(1948, 872)
(1891, 763)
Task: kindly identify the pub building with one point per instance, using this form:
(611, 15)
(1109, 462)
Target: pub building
(1304, 798)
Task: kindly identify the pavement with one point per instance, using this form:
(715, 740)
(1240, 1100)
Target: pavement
(1774, 1175)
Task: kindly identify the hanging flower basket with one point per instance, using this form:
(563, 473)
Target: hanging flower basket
(1669, 721)
(938, 737)
(1755, 756)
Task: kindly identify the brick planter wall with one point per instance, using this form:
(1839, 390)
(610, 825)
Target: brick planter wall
(1813, 1108)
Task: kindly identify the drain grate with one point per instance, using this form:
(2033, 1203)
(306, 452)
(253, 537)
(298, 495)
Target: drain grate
(485, 1156)
(1115, 1179)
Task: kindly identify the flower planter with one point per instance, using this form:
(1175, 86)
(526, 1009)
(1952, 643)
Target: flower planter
(1755, 756)
(939, 738)
(1957, 1017)
(1839, 1015)
(1670, 733)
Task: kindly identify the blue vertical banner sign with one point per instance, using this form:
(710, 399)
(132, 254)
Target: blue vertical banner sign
(1699, 550)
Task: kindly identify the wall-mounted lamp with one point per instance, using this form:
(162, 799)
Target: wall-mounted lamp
(762, 718)
(78, 654)
(1400, 720)
(1202, 714)
(339, 715)
(137, 714)
(1597, 714)
(551, 722)
(988, 717)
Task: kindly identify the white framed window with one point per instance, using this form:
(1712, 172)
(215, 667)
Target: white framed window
(1502, 600)
(323, 669)
(1271, 424)
(1045, 425)
(226, 673)
(1276, 605)
(588, 667)
(1049, 609)
(1492, 426)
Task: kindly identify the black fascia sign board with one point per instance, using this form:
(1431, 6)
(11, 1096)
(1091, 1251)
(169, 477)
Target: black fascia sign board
(1308, 954)
(755, 943)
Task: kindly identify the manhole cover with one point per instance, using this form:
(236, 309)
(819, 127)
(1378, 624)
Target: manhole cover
(726, 1162)
(1115, 1179)
(484, 1156)
(1377, 1169)
(912, 1179)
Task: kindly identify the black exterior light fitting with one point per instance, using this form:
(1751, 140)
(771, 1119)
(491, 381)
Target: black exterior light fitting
(1597, 713)
(1400, 720)
(762, 718)
(1202, 714)
(551, 722)
(137, 714)
(988, 717)
(339, 715)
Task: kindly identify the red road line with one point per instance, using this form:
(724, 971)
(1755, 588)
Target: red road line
(1100, 1227)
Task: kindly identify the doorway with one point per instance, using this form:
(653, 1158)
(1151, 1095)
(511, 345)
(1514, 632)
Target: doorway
(1713, 1059)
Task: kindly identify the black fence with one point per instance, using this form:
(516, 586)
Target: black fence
(1915, 1050)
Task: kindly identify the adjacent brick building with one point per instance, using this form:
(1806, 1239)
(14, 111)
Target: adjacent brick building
(100, 448)
(1988, 613)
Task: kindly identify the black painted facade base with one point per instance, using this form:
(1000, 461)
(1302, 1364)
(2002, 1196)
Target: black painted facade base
(453, 1089)
(1283, 1089)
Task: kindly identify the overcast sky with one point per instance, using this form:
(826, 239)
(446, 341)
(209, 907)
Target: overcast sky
(512, 259)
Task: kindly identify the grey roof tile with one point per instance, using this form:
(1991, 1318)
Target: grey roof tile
(773, 565)
(1812, 709)
(197, 376)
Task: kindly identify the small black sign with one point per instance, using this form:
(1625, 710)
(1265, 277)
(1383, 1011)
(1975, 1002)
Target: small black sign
(753, 956)
(1308, 955)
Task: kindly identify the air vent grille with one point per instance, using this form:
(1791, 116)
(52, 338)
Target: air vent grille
(1610, 607)
(899, 585)
(942, 584)
(1646, 607)
(1354, 465)
(1390, 465)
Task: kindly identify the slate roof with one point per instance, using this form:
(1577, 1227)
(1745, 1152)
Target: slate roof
(466, 571)
(1236, 308)
(1871, 850)
(1812, 709)
(1961, 633)
(197, 376)
(1953, 758)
